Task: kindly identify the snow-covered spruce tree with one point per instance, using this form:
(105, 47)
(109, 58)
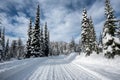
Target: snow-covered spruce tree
(20, 49)
(13, 49)
(46, 40)
(3, 39)
(36, 51)
(61, 48)
(1, 46)
(49, 48)
(85, 34)
(2, 43)
(42, 41)
(78, 48)
(92, 38)
(7, 50)
(28, 45)
(72, 45)
(1, 49)
(57, 48)
(110, 41)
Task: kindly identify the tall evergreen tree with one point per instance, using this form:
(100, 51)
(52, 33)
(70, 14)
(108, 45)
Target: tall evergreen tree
(20, 48)
(110, 47)
(29, 46)
(83, 28)
(42, 41)
(48, 42)
(3, 43)
(7, 51)
(13, 49)
(36, 35)
(72, 45)
(3, 39)
(85, 37)
(46, 46)
(93, 42)
(1, 47)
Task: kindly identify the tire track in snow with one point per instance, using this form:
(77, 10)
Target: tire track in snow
(58, 72)
(38, 72)
(50, 73)
(70, 71)
(81, 74)
(91, 72)
(66, 75)
(44, 74)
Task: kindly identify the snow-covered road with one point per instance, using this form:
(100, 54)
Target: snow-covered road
(51, 68)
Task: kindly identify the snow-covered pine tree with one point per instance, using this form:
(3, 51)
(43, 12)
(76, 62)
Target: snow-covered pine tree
(57, 48)
(83, 35)
(61, 48)
(7, 50)
(2, 36)
(86, 48)
(93, 42)
(49, 43)
(28, 45)
(13, 49)
(72, 45)
(78, 48)
(46, 46)
(42, 41)
(36, 51)
(110, 41)
(3, 39)
(1, 49)
(20, 49)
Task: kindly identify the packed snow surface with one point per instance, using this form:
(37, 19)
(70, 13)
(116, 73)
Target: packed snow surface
(72, 67)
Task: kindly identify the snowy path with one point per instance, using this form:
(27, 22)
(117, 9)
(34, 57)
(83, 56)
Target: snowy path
(52, 68)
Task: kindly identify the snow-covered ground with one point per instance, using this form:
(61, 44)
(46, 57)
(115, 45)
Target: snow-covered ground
(72, 67)
(109, 68)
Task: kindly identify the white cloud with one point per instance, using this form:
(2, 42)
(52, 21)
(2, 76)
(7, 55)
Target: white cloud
(63, 23)
(19, 29)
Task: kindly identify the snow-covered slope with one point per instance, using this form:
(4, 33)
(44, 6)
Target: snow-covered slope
(70, 67)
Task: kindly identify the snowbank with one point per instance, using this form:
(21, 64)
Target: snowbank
(98, 59)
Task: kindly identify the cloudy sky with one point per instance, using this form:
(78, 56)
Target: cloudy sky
(63, 16)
